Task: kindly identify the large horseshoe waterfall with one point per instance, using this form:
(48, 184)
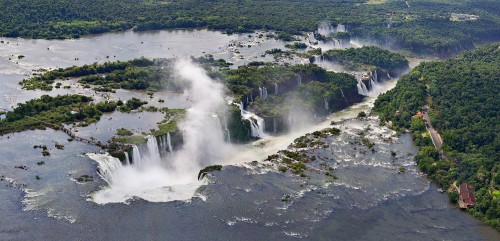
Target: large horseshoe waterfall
(154, 176)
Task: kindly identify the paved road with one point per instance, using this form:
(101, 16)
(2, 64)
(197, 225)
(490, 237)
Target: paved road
(436, 138)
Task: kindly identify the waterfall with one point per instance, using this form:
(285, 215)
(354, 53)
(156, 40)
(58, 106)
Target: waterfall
(149, 157)
(343, 96)
(228, 136)
(127, 159)
(336, 44)
(327, 107)
(136, 155)
(225, 122)
(153, 151)
(362, 90)
(256, 122)
(276, 89)
(389, 75)
(372, 83)
(325, 29)
(264, 92)
(251, 96)
(151, 178)
(227, 133)
(248, 102)
(375, 75)
(299, 80)
(274, 124)
(169, 143)
(258, 127)
(163, 144)
(341, 28)
(261, 94)
(311, 39)
(317, 59)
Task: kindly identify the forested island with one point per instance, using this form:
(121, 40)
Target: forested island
(464, 107)
(368, 58)
(136, 74)
(53, 112)
(425, 26)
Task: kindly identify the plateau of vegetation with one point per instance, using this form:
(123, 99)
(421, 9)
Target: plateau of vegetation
(462, 94)
(367, 58)
(52, 112)
(136, 74)
(426, 26)
(316, 84)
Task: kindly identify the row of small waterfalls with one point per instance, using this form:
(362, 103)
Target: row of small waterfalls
(162, 145)
(203, 139)
(326, 30)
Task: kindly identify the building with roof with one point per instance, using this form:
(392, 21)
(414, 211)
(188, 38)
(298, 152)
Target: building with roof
(467, 196)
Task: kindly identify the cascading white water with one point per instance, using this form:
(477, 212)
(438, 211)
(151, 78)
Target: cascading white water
(228, 136)
(317, 59)
(299, 80)
(375, 75)
(276, 89)
(136, 156)
(261, 93)
(372, 83)
(312, 39)
(155, 179)
(264, 92)
(169, 143)
(336, 44)
(362, 90)
(325, 29)
(164, 144)
(274, 125)
(343, 96)
(256, 122)
(327, 106)
(341, 28)
(389, 76)
(227, 133)
(127, 158)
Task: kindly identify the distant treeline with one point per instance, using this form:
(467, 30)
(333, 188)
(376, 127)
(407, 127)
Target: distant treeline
(425, 26)
(465, 109)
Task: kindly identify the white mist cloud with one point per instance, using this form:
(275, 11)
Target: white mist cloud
(203, 136)
(163, 179)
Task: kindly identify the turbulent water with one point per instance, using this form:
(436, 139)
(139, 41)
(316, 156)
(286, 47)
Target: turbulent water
(369, 200)
(157, 178)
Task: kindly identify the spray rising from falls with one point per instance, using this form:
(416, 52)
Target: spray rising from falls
(159, 178)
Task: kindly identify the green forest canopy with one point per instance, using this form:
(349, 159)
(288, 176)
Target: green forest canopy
(465, 107)
(368, 55)
(425, 26)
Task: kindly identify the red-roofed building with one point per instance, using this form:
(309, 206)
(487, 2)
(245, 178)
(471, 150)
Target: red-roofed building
(466, 197)
(418, 115)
